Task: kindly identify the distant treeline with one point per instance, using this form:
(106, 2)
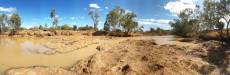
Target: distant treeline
(157, 31)
(63, 27)
(117, 20)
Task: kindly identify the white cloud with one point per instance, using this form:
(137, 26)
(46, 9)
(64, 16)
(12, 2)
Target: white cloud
(9, 15)
(153, 21)
(73, 18)
(175, 7)
(128, 11)
(8, 10)
(57, 16)
(94, 5)
(106, 7)
(188, 1)
(162, 23)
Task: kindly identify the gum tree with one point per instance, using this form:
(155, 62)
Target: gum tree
(114, 17)
(15, 21)
(3, 22)
(54, 18)
(93, 12)
(128, 23)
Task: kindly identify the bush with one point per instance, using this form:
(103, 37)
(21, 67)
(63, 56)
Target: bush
(86, 28)
(158, 31)
(66, 27)
(74, 27)
(100, 33)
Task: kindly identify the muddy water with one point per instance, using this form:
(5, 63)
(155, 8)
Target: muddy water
(160, 40)
(169, 40)
(21, 52)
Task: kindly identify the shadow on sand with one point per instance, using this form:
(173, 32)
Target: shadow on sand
(218, 56)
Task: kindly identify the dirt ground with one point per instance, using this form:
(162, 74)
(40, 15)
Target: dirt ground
(137, 56)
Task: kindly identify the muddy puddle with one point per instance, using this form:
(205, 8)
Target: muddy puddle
(160, 40)
(24, 52)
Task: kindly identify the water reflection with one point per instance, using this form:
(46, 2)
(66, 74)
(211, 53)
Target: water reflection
(24, 52)
(7, 42)
(30, 47)
(27, 47)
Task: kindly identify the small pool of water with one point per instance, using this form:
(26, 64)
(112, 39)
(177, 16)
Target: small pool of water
(24, 52)
(160, 40)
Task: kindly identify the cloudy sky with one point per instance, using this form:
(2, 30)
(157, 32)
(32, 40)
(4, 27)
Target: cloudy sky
(151, 13)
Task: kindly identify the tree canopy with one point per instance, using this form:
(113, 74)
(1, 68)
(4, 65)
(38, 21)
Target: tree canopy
(118, 17)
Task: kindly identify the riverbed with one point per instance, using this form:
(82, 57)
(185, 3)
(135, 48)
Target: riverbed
(25, 52)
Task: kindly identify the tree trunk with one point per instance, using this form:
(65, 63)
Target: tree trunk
(221, 36)
(0, 29)
(227, 29)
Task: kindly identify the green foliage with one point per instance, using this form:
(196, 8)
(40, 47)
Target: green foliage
(119, 18)
(158, 31)
(223, 11)
(114, 17)
(220, 25)
(41, 27)
(57, 28)
(204, 20)
(22, 28)
(66, 27)
(128, 23)
(185, 24)
(54, 18)
(86, 28)
(106, 26)
(210, 14)
(3, 23)
(53, 13)
(15, 21)
(74, 27)
(46, 26)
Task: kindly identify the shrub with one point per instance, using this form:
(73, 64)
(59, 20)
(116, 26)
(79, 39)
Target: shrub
(66, 27)
(86, 28)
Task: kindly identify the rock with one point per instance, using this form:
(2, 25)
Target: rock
(50, 34)
(99, 48)
(125, 68)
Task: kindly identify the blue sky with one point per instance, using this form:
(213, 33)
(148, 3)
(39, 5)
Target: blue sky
(151, 13)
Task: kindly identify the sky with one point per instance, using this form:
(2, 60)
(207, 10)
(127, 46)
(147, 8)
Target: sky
(150, 13)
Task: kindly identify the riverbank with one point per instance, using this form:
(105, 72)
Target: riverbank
(115, 55)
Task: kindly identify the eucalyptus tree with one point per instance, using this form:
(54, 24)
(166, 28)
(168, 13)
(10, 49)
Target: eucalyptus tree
(94, 15)
(3, 22)
(224, 11)
(209, 14)
(15, 22)
(54, 18)
(128, 22)
(118, 17)
(106, 26)
(186, 23)
(114, 17)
